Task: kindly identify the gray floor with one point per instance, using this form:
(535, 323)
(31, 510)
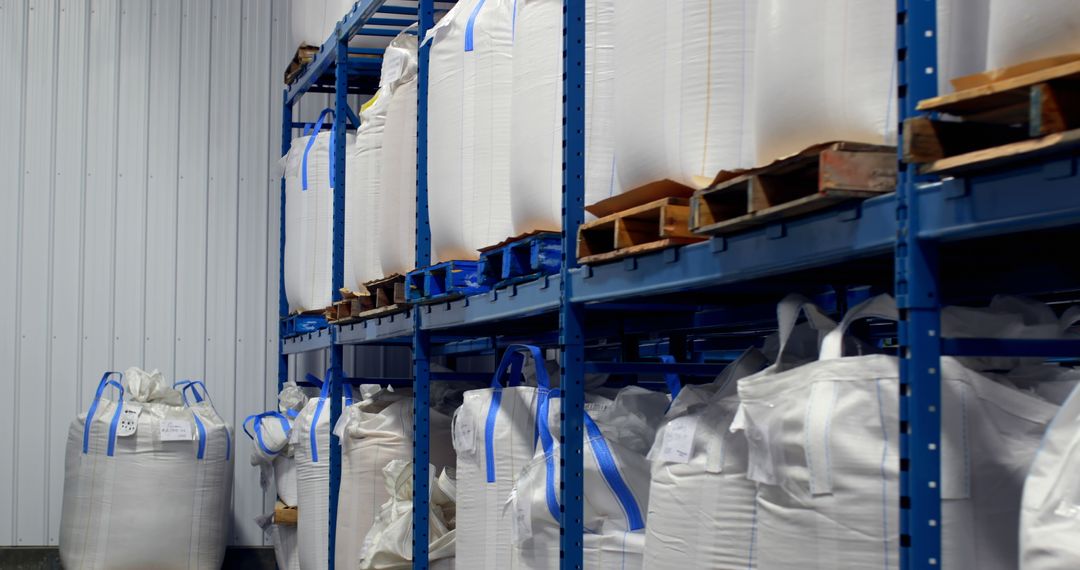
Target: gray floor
(36, 558)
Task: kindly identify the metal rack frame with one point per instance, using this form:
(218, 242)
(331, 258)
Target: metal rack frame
(626, 302)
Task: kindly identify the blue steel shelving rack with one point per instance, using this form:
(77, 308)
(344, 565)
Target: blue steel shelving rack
(635, 298)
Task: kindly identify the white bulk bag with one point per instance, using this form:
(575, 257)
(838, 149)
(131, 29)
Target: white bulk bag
(961, 39)
(285, 539)
(362, 187)
(494, 434)
(823, 446)
(469, 128)
(364, 223)
(1023, 30)
(824, 70)
(1049, 522)
(309, 219)
(397, 200)
(683, 109)
(536, 138)
(272, 454)
(388, 545)
(310, 438)
(618, 435)
(307, 22)
(374, 432)
(701, 504)
(148, 480)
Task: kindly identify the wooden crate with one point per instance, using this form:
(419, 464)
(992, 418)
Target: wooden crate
(657, 225)
(1030, 109)
(816, 178)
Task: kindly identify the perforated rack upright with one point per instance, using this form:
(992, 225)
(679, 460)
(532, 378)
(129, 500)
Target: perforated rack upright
(702, 302)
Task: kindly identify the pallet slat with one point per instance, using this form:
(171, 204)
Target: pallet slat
(657, 225)
(816, 178)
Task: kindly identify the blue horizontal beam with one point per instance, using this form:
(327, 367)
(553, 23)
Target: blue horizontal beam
(402, 10)
(398, 22)
(850, 232)
(1042, 348)
(393, 329)
(443, 376)
(1035, 195)
(514, 302)
(308, 342)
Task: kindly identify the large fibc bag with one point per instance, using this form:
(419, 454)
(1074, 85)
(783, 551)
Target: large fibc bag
(683, 108)
(701, 504)
(494, 434)
(1025, 30)
(823, 448)
(961, 39)
(309, 218)
(396, 202)
(388, 544)
(824, 70)
(536, 174)
(364, 222)
(148, 479)
(1050, 516)
(373, 432)
(469, 100)
(310, 438)
(618, 434)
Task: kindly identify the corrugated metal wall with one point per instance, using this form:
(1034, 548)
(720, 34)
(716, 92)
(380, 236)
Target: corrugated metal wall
(138, 221)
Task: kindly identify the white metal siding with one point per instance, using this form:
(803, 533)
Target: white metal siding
(138, 221)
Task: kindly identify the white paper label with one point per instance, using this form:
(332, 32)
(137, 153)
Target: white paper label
(175, 430)
(465, 435)
(129, 420)
(679, 440)
(522, 522)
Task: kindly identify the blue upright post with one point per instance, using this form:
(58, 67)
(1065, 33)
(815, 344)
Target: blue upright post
(421, 338)
(571, 325)
(283, 301)
(341, 104)
(919, 304)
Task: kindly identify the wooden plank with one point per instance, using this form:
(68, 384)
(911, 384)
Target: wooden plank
(840, 169)
(997, 93)
(641, 196)
(927, 140)
(284, 514)
(986, 77)
(384, 311)
(1057, 142)
(787, 210)
(637, 250)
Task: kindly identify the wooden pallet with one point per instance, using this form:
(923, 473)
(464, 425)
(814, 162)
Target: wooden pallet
(443, 282)
(816, 178)
(1029, 109)
(305, 54)
(520, 259)
(388, 295)
(660, 224)
(348, 308)
(284, 514)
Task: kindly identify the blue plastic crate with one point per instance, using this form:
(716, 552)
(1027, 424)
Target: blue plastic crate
(520, 259)
(442, 281)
